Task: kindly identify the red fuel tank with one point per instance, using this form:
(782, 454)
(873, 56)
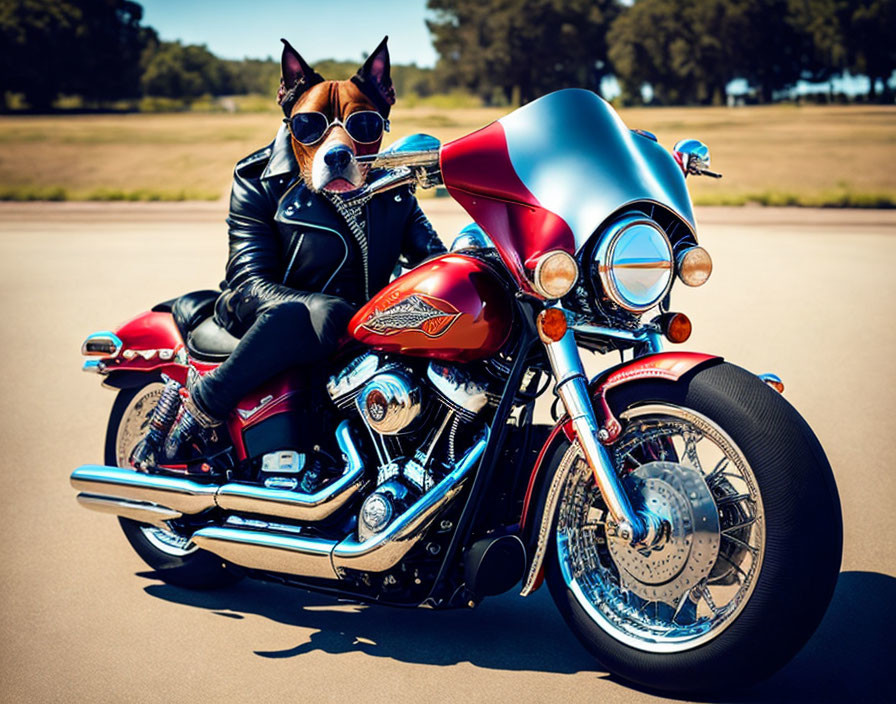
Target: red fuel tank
(452, 307)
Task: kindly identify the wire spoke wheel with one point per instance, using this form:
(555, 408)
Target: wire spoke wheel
(690, 583)
(132, 428)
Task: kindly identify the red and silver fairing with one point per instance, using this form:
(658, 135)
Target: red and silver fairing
(546, 176)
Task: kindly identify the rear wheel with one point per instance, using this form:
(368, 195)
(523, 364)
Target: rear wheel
(171, 554)
(748, 551)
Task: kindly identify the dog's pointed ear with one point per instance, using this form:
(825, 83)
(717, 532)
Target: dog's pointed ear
(296, 76)
(375, 80)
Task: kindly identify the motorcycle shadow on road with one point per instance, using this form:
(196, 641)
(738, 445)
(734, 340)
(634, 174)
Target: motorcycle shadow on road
(502, 633)
(844, 660)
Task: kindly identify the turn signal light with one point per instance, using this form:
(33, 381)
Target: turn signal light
(555, 274)
(105, 344)
(694, 266)
(552, 325)
(676, 327)
(774, 381)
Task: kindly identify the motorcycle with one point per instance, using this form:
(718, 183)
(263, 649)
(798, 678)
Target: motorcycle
(683, 514)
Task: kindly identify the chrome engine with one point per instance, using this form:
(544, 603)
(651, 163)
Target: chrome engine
(415, 421)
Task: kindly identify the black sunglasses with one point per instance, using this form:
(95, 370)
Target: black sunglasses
(364, 126)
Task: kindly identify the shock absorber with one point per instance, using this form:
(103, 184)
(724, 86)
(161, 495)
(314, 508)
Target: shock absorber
(160, 423)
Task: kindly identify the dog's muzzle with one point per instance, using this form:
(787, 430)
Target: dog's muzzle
(334, 169)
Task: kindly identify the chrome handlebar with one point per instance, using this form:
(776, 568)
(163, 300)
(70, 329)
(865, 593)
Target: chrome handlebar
(420, 168)
(425, 158)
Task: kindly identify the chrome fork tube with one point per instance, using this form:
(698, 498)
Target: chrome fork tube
(572, 388)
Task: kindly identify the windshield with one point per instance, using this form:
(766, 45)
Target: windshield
(580, 161)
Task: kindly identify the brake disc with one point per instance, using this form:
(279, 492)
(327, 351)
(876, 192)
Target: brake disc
(689, 546)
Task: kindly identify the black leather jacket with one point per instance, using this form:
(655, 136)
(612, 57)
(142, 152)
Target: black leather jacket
(289, 243)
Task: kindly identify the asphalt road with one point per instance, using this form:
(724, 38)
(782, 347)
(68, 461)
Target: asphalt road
(806, 294)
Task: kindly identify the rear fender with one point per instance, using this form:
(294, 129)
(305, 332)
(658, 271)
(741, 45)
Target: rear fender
(534, 524)
(150, 344)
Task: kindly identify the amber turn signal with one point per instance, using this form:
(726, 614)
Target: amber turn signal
(676, 327)
(552, 325)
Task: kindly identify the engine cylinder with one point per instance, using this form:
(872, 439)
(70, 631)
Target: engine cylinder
(390, 402)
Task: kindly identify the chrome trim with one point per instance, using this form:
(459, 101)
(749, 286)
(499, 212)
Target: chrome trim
(547, 519)
(390, 402)
(457, 388)
(189, 497)
(94, 365)
(395, 160)
(348, 382)
(387, 548)
(645, 262)
(317, 557)
(271, 552)
(642, 335)
(693, 155)
(102, 336)
(283, 503)
(572, 387)
(471, 236)
(678, 639)
(136, 511)
(172, 493)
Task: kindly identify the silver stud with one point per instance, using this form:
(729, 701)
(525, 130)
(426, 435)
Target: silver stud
(308, 204)
(398, 197)
(290, 210)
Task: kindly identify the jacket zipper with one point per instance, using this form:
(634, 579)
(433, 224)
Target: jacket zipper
(318, 227)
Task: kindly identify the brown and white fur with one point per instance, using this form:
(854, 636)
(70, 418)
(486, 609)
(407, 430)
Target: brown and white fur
(330, 164)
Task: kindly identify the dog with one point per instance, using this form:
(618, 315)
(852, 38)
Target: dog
(333, 122)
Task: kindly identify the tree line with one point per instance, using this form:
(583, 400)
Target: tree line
(100, 51)
(682, 51)
(504, 51)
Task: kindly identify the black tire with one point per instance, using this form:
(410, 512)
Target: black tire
(191, 568)
(803, 540)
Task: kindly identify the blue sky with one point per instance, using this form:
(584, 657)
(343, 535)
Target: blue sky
(318, 29)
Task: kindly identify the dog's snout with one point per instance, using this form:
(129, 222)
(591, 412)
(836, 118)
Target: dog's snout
(338, 157)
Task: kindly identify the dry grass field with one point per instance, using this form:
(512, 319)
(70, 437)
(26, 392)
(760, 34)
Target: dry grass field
(775, 155)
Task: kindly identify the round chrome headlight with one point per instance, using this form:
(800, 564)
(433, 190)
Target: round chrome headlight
(634, 262)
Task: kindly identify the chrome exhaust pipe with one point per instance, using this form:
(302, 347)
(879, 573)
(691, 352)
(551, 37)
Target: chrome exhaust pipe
(105, 488)
(384, 550)
(129, 486)
(309, 557)
(280, 503)
(316, 557)
(136, 511)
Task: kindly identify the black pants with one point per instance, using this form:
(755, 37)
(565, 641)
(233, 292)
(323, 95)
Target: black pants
(284, 335)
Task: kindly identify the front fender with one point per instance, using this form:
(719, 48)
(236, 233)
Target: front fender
(535, 521)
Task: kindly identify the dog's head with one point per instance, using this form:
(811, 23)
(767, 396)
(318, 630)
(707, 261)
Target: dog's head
(332, 122)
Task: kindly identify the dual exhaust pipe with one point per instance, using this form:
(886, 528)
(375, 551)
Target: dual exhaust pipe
(155, 499)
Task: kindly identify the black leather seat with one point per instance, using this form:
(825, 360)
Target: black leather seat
(209, 341)
(193, 314)
(192, 308)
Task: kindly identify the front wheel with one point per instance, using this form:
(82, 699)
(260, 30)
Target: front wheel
(175, 559)
(746, 556)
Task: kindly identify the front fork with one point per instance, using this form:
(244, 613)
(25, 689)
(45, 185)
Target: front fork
(572, 388)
